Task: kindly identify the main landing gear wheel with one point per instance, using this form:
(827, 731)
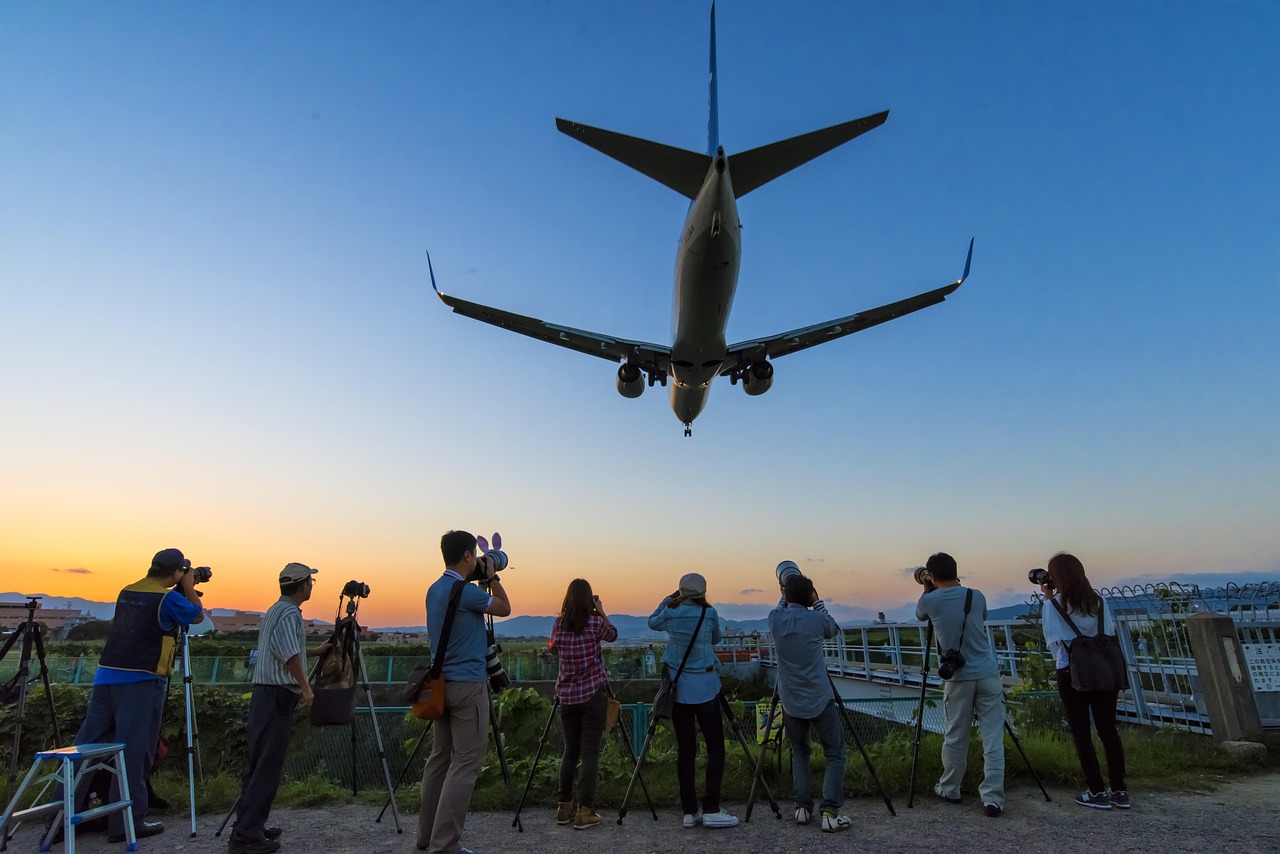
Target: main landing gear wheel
(688, 429)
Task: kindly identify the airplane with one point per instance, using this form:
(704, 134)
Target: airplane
(707, 263)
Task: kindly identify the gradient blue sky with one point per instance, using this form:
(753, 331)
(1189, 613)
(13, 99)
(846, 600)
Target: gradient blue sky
(219, 333)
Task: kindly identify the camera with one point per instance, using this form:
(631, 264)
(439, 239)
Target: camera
(495, 556)
(1040, 578)
(949, 662)
(787, 569)
(201, 573)
(498, 678)
(356, 589)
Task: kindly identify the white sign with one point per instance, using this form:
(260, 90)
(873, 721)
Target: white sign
(1263, 660)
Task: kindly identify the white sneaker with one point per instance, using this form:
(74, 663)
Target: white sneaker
(802, 815)
(692, 820)
(719, 819)
(835, 823)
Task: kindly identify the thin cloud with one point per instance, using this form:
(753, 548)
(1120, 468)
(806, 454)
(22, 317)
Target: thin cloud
(79, 570)
(750, 590)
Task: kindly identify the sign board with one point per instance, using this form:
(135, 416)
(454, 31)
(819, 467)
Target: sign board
(1263, 660)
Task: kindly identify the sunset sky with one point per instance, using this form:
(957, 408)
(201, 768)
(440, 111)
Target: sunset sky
(219, 335)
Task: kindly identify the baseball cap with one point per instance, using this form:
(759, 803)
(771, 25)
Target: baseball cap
(295, 572)
(693, 584)
(170, 559)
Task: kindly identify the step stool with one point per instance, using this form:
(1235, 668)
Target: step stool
(89, 758)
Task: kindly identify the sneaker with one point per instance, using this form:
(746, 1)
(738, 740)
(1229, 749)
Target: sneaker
(993, 810)
(565, 811)
(1099, 801)
(1119, 798)
(585, 817)
(692, 819)
(832, 823)
(802, 815)
(719, 818)
(946, 798)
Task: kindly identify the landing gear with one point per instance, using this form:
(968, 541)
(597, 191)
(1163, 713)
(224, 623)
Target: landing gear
(688, 428)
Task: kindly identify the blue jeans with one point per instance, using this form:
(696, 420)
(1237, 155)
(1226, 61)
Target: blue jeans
(129, 714)
(829, 730)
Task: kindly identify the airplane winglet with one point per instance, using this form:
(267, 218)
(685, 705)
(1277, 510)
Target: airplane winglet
(967, 262)
(433, 276)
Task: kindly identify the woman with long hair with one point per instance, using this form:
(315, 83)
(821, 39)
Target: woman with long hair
(580, 688)
(1070, 589)
(693, 629)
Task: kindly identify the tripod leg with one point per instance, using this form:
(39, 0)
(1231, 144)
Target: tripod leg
(405, 770)
(866, 757)
(625, 736)
(746, 749)
(644, 751)
(38, 637)
(226, 818)
(515, 822)
(756, 777)
(192, 736)
(1018, 744)
(915, 744)
(377, 731)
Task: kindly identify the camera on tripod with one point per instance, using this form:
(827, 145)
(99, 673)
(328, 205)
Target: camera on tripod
(1040, 578)
(355, 590)
(496, 557)
(201, 574)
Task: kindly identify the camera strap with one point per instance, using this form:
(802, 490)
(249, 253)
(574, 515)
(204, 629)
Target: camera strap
(1102, 616)
(968, 603)
(455, 596)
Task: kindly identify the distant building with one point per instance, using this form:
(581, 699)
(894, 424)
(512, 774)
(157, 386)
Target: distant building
(402, 637)
(240, 621)
(56, 620)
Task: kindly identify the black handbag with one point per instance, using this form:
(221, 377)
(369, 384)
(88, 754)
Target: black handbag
(1096, 663)
(664, 702)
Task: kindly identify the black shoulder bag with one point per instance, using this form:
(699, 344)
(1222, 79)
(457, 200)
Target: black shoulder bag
(424, 689)
(1097, 663)
(665, 701)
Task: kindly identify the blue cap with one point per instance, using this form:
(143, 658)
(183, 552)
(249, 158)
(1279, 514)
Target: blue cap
(170, 559)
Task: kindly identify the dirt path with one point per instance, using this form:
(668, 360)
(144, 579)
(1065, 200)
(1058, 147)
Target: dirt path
(1241, 815)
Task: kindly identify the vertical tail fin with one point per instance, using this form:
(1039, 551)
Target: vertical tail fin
(713, 101)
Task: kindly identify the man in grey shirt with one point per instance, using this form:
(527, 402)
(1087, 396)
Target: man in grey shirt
(974, 687)
(799, 626)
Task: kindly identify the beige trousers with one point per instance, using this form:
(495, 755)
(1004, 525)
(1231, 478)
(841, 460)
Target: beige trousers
(459, 742)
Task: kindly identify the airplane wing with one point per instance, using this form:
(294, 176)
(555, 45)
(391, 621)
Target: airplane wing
(810, 336)
(652, 357)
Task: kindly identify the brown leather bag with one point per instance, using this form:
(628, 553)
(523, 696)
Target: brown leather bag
(424, 689)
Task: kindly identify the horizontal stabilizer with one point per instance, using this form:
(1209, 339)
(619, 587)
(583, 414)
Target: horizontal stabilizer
(681, 170)
(759, 166)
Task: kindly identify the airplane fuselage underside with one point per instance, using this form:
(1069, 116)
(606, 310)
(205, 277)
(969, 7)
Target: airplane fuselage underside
(706, 277)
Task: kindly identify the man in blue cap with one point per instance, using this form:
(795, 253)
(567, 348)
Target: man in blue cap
(133, 673)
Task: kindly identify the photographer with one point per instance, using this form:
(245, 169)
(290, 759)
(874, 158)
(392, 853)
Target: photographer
(799, 625)
(1066, 587)
(279, 686)
(580, 688)
(693, 627)
(972, 684)
(458, 742)
(133, 672)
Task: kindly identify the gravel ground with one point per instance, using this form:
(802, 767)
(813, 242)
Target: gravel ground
(1241, 815)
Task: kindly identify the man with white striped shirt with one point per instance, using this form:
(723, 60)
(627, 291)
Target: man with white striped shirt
(279, 682)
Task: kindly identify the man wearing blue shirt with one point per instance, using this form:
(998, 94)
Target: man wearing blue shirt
(133, 672)
(973, 689)
(799, 625)
(459, 738)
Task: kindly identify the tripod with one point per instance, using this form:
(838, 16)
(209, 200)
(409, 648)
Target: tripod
(17, 688)
(738, 736)
(915, 758)
(346, 635)
(194, 761)
(623, 735)
(846, 720)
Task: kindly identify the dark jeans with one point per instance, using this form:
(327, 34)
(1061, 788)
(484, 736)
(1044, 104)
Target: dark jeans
(709, 721)
(583, 729)
(128, 714)
(829, 730)
(1102, 704)
(270, 717)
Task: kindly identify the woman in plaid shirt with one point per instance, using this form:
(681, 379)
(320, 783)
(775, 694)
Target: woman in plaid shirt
(580, 690)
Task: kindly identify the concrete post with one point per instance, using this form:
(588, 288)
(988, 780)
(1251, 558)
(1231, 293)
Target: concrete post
(1224, 678)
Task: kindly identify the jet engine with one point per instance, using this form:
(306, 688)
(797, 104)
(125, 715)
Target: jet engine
(757, 378)
(630, 381)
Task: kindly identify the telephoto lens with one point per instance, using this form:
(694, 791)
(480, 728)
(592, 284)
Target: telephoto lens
(202, 573)
(787, 569)
(1040, 578)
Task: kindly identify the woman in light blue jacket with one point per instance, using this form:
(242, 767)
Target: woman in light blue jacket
(697, 695)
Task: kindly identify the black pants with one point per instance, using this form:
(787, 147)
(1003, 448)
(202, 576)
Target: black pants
(270, 717)
(1102, 704)
(709, 721)
(583, 729)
